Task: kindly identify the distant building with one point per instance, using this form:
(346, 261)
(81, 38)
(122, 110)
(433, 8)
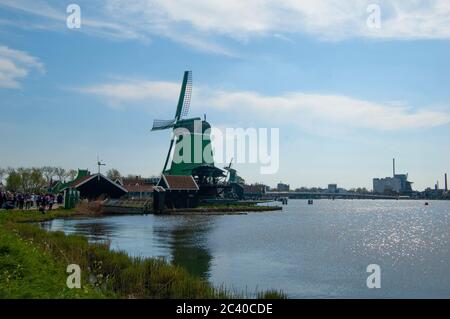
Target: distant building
(430, 193)
(445, 183)
(283, 187)
(332, 188)
(255, 190)
(398, 184)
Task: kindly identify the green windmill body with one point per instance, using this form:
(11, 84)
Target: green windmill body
(191, 137)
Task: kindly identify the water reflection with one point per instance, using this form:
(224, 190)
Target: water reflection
(319, 250)
(187, 241)
(181, 240)
(95, 229)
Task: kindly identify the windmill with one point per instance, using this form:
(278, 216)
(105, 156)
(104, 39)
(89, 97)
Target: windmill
(180, 121)
(182, 110)
(209, 178)
(235, 189)
(229, 169)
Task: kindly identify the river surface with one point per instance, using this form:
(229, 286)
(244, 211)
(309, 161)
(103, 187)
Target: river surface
(307, 251)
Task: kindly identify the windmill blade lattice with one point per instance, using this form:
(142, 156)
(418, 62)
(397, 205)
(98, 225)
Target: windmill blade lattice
(187, 96)
(162, 124)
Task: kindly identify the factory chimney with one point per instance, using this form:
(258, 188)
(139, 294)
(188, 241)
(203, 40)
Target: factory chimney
(393, 167)
(446, 185)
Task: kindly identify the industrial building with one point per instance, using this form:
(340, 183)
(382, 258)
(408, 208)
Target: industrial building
(283, 187)
(397, 184)
(332, 188)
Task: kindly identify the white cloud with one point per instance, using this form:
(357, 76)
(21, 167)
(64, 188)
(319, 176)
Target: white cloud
(313, 112)
(202, 24)
(56, 19)
(116, 94)
(327, 19)
(15, 66)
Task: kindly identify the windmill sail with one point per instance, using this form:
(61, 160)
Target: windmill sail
(184, 99)
(187, 96)
(172, 141)
(162, 124)
(184, 102)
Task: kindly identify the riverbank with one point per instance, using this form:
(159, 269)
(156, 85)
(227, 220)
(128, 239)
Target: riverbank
(223, 210)
(120, 207)
(33, 264)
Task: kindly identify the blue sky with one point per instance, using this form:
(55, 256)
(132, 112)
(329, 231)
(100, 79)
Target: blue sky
(345, 97)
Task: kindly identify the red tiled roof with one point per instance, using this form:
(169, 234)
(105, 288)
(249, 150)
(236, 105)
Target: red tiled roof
(180, 182)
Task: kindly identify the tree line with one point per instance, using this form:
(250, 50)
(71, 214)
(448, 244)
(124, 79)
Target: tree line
(34, 179)
(38, 179)
(114, 174)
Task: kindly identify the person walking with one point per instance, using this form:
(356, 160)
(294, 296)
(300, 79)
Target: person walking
(33, 200)
(27, 202)
(21, 200)
(50, 202)
(2, 199)
(42, 208)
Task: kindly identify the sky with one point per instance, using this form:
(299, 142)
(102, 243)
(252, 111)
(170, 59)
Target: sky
(348, 84)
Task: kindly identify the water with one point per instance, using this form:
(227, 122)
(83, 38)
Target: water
(318, 251)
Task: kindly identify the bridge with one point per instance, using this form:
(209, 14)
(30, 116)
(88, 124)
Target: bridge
(320, 195)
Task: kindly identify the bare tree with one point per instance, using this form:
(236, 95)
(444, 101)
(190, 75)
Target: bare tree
(2, 174)
(113, 174)
(71, 174)
(48, 173)
(61, 173)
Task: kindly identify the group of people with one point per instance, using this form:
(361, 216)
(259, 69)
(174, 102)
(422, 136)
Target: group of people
(21, 201)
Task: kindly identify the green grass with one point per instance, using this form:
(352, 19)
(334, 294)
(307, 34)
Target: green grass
(18, 216)
(29, 272)
(33, 265)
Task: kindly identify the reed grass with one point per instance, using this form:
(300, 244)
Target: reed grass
(34, 261)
